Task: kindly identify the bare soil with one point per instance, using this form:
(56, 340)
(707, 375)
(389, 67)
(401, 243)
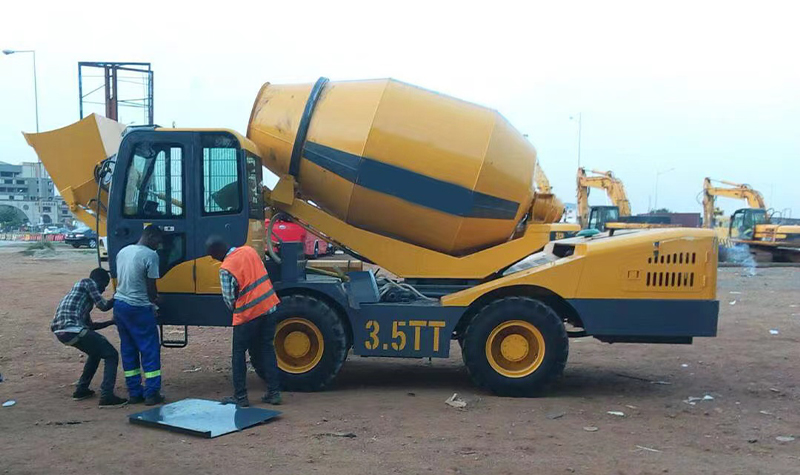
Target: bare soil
(396, 408)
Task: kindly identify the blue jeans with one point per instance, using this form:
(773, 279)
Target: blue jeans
(140, 348)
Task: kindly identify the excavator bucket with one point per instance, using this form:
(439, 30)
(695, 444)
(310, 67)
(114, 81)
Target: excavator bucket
(72, 156)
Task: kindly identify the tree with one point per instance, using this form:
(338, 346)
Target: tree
(660, 211)
(11, 217)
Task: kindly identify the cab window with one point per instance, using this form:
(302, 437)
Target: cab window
(254, 194)
(154, 186)
(222, 183)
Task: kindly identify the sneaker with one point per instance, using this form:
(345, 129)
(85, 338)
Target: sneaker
(81, 394)
(153, 400)
(272, 398)
(241, 402)
(113, 401)
(135, 399)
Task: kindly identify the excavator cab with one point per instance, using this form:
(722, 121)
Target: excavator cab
(743, 222)
(192, 184)
(600, 215)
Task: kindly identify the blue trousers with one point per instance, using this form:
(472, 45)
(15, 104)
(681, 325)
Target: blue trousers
(140, 348)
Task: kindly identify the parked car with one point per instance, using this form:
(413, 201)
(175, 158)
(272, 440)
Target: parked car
(55, 230)
(286, 231)
(82, 237)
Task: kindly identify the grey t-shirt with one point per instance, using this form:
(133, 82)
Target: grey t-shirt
(135, 264)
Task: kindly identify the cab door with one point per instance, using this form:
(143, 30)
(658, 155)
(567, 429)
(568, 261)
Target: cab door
(222, 200)
(151, 188)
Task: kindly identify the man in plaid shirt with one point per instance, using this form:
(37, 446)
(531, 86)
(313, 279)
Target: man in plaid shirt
(73, 326)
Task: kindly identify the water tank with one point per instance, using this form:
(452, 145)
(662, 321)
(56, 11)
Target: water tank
(399, 160)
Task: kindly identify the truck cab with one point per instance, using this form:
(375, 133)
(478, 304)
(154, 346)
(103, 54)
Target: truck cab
(192, 184)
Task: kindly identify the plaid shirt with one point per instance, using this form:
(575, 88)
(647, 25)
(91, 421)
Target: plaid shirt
(230, 288)
(72, 313)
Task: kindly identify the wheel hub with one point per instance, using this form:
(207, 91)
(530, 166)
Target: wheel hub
(514, 347)
(297, 344)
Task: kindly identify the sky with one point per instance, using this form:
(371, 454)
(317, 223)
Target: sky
(690, 89)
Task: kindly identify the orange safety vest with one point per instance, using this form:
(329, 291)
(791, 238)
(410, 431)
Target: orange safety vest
(256, 295)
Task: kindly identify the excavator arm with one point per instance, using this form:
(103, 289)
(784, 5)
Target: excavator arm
(604, 181)
(733, 190)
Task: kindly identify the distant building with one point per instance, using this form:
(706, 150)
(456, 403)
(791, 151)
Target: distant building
(29, 189)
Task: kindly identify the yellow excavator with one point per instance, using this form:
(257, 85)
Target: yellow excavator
(760, 229)
(438, 194)
(614, 217)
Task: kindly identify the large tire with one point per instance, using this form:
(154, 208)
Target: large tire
(515, 346)
(315, 370)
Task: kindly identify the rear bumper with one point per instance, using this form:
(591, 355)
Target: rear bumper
(647, 317)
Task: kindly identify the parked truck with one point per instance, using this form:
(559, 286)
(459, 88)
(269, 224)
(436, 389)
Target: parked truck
(435, 193)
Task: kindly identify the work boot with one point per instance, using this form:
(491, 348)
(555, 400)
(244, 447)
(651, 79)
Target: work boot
(135, 399)
(240, 401)
(82, 393)
(272, 397)
(153, 400)
(112, 401)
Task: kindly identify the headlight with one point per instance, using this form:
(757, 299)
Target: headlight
(78, 235)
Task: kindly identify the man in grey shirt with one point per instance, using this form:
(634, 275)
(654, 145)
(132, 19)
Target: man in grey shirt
(134, 313)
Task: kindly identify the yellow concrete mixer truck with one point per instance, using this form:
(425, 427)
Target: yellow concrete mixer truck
(435, 193)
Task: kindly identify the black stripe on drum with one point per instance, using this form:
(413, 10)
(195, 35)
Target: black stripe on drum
(409, 185)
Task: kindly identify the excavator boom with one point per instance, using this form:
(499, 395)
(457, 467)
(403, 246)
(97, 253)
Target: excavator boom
(605, 181)
(734, 190)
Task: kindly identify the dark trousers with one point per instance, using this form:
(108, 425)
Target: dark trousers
(257, 337)
(96, 348)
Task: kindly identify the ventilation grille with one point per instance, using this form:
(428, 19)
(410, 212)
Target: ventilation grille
(670, 279)
(674, 258)
(659, 276)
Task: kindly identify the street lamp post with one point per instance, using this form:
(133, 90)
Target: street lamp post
(658, 174)
(36, 107)
(35, 87)
(578, 119)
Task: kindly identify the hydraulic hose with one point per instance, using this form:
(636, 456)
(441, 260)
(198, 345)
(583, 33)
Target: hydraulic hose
(269, 243)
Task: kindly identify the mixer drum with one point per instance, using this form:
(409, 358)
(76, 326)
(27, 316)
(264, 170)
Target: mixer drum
(399, 160)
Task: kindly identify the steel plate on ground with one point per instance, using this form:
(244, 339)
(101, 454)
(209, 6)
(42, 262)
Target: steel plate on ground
(202, 417)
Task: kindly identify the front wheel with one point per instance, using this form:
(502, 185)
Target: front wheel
(310, 343)
(515, 346)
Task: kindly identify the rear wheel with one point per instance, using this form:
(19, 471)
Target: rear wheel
(515, 346)
(310, 343)
(92, 243)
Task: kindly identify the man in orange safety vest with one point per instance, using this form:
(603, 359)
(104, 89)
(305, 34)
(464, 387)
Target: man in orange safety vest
(248, 293)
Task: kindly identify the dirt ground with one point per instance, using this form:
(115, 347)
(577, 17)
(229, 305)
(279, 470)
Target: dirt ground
(396, 407)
